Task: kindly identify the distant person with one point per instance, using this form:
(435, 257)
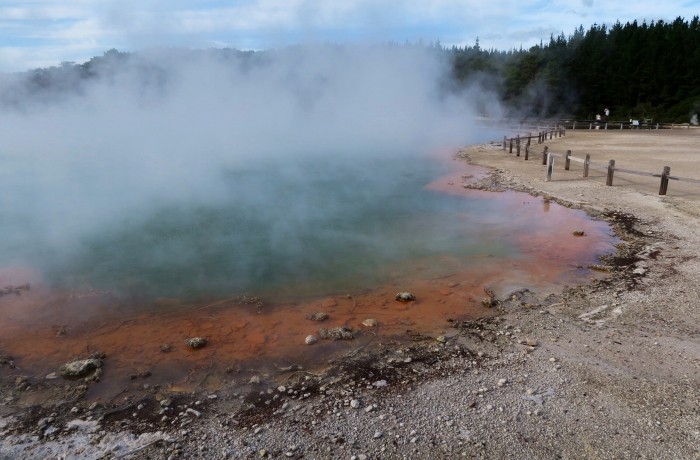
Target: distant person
(607, 113)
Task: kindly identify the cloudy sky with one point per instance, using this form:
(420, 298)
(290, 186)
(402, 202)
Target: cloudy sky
(40, 33)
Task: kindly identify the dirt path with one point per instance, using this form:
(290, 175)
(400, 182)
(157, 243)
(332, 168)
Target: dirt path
(608, 370)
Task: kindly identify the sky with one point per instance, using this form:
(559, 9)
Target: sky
(43, 33)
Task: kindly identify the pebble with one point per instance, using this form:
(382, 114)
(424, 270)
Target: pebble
(370, 322)
(281, 388)
(355, 404)
(405, 297)
(502, 382)
(310, 339)
(378, 434)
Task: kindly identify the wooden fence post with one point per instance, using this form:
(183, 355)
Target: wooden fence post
(551, 135)
(550, 167)
(517, 144)
(527, 152)
(544, 155)
(606, 125)
(510, 150)
(611, 172)
(567, 162)
(590, 125)
(621, 125)
(586, 164)
(664, 180)
(504, 143)
(529, 138)
(574, 127)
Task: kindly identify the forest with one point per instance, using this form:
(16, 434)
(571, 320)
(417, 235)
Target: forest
(641, 71)
(648, 71)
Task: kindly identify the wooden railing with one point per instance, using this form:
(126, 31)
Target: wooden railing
(610, 167)
(614, 124)
(541, 136)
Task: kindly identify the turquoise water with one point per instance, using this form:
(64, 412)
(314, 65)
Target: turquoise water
(309, 226)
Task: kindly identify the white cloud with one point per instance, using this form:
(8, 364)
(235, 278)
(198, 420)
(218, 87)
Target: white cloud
(60, 30)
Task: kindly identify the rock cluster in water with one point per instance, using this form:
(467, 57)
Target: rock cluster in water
(80, 367)
(336, 333)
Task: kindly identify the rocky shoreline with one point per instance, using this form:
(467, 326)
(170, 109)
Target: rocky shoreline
(606, 370)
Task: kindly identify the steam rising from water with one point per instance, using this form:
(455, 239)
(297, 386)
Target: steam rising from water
(213, 161)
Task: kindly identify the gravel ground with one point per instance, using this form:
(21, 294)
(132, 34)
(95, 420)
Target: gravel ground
(607, 370)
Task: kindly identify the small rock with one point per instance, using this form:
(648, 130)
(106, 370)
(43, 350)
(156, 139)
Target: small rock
(441, 339)
(317, 316)
(336, 333)
(166, 348)
(355, 404)
(502, 382)
(80, 367)
(405, 297)
(310, 339)
(579, 233)
(254, 380)
(489, 302)
(193, 412)
(196, 342)
(380, 383)
(166, 402)
(370, 322)
(281, 388)
(378, 434)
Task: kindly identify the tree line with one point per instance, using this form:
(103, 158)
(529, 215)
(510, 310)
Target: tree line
(640, 71)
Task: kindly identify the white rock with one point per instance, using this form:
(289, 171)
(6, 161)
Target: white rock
(355, 404)
(310, 339)
(502, 382)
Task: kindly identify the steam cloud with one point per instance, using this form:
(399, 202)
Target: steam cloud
(161, 133)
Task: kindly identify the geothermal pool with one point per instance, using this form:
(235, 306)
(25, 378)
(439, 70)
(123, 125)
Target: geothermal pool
(269, 243)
